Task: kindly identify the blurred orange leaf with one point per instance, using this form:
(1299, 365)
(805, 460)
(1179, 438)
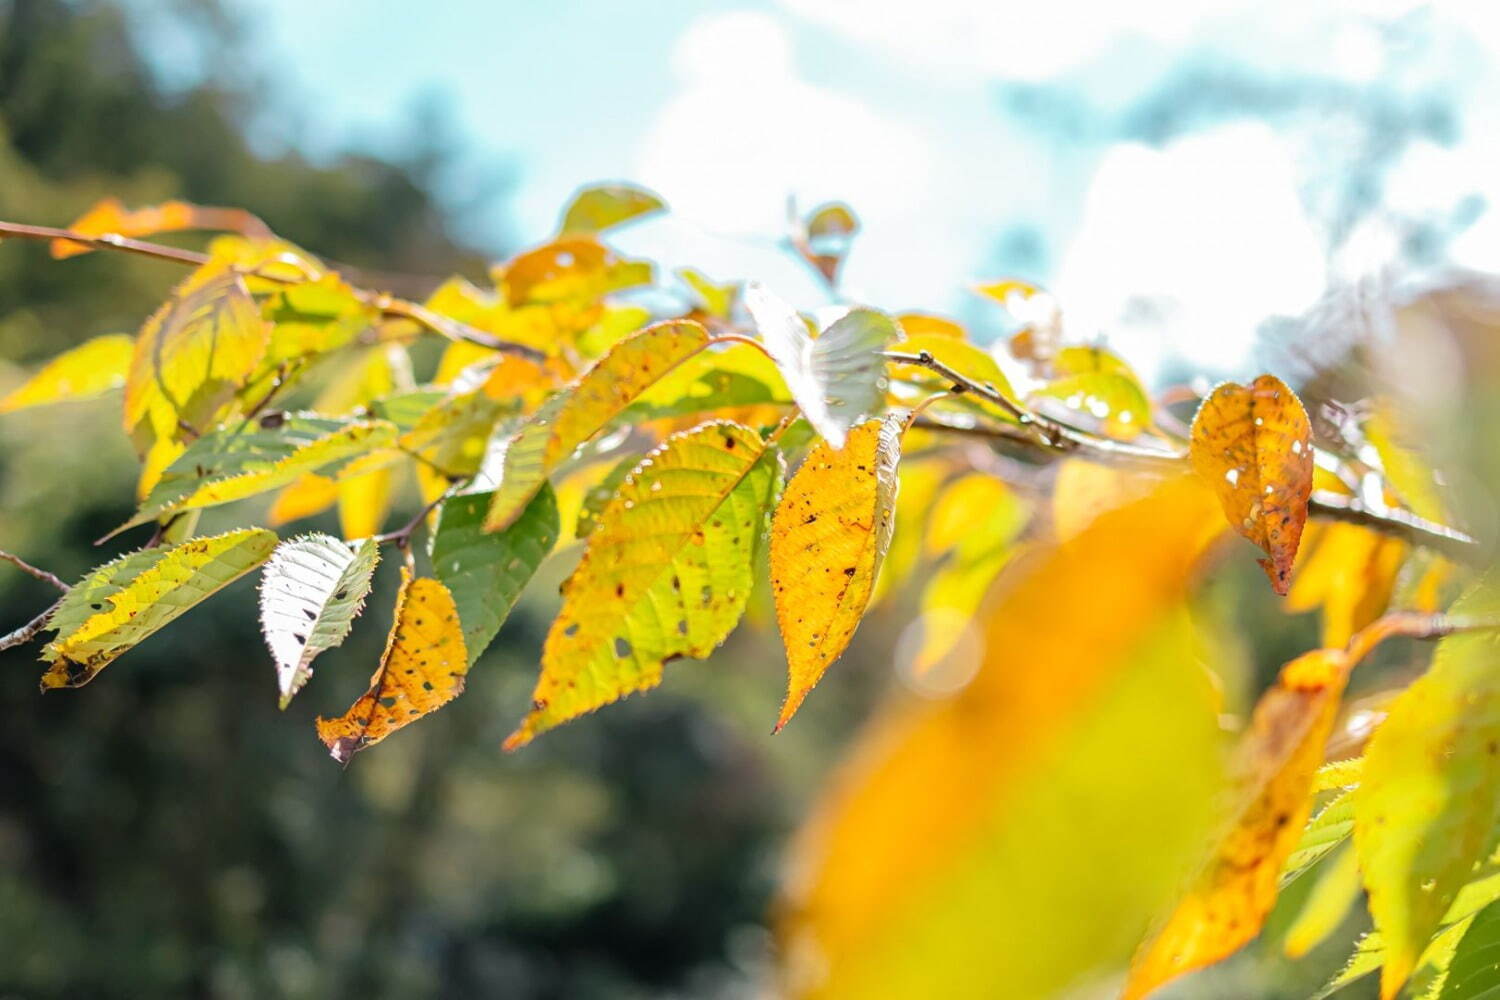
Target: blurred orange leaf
(110, 216)
(1253, 445)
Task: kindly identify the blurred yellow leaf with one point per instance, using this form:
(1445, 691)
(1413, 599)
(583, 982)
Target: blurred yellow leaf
(716, 299)
(920, 482)
(308, 494)
(1017, 838)
(1114, 402)
(828, 537)
(1083, 490)
(1350, 574)
(1253, 446)
(88, 370)
(603, 206)
(1428, 802)
(569, 269)
(1326, 906)
(364, 494)
(580, 411)
(1273, 770)
(917, 324)
(667, 572)
(423, 668)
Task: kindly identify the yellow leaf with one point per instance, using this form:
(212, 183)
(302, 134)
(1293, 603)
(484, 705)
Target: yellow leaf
(1428, 802)
(1274, 768)
(1406, 469)
(370, 375)
(309, 494)
(828, 537)
(921, 479)
(86, 371)
(1115, 403)
(196, 350)
(124, 601)
(364, 494)
(1017, 838)
(1350, 574)
(717, 300)
(667, 572)
(1253, 446)
(926, 325)
(1006, 289)
(423, 668)
(580, 411)
(109, 216)
(570, 269)
(603, 206)
(1083, 490)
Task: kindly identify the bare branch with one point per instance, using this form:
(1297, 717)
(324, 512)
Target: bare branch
(33, 571)
(29, 631)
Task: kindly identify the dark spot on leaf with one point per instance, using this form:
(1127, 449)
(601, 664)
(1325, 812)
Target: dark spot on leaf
(622, 647)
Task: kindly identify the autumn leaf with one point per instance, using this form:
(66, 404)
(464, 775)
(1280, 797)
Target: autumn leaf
(88, 370)
(1428, 801)
(123, 602)
(716, 299)
(584, 408)
(193, 353)
(423, 668)
(233, 463)
(310, 593)
(666, 574)
(1350, 572)
(828, 537)
(826, 236)
(1273, 771)
(366, 488)
(604, 206)
(1253, 445)
(1009, 813)
(570, 269)
(310, 493)
(486, 571)
(110, 216)
(837, 378)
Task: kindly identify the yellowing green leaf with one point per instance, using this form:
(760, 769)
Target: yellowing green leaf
(1003, 842)
(423, 668)
(313, 317)
(1274, 767)
(486, 571)
(452, 436)
(603, 206)
(666, 574)
(194, 352)
(837, 379)
(1428, 804)
(1474, 972)
(580, 411)
(310, 593)
(125, 601)
(717, 300)
(828, 537)
(234, 463)
(88, 370)
(1253, 446)
(1115, 403)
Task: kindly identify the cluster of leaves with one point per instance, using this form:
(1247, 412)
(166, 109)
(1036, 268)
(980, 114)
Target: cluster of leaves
(722, 443)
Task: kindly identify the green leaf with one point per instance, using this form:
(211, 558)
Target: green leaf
(88, 370)
(238, 461)
(837, 379)
(1325, 831)
(310, 593)
(133, 597)
(1474, 973)
(1428, 805)
(666, 574)
(586, 407)
(1327, 904)
(486, 571)
(603, 206)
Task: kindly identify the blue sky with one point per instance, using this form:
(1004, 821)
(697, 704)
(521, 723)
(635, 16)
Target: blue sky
(1177, 170)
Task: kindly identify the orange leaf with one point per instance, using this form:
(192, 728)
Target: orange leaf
(109, 216)
(1274, 768)
(1253, 445)
(422, 670)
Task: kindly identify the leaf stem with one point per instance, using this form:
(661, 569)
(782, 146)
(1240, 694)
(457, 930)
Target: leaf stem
(388, 305)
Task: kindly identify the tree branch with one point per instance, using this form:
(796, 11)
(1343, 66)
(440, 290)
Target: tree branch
(388, 305)
(27, 632)
(33, 571)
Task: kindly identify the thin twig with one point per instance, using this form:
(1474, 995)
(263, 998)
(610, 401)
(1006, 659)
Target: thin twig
(1399, 523)
(27, 632)
(402, 535)
(33, 571)
(1414, 625)
(962, 383)
(388, 305)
